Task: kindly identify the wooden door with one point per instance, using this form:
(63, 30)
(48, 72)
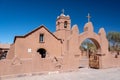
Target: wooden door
(94, 61)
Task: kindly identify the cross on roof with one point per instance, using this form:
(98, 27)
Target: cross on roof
(88, 17)
(63, 11)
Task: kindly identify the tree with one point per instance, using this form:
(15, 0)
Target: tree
(88, 45)
(114, 41)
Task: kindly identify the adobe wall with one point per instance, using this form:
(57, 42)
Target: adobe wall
(36, 65)
(109, 60)
(10, 67)
(11, 53)
(25, 66)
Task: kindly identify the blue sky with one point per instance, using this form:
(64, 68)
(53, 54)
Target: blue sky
(18, 17)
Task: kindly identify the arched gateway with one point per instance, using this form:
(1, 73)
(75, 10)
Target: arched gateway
(90, 48)
(75, 39)
(100, 42)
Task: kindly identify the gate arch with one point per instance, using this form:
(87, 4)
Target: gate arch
(93, 37)
(93, 59)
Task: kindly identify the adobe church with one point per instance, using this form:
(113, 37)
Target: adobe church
(41, 51)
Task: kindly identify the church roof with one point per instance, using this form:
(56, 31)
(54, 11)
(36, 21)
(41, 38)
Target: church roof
(34, 31)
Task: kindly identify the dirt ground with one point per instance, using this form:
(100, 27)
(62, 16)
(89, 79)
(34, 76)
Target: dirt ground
(81, 74)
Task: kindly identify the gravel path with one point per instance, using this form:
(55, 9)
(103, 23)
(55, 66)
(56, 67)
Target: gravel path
(82, 74)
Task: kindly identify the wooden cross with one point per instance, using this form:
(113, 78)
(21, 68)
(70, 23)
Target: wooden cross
(88, 17)
(63, 11)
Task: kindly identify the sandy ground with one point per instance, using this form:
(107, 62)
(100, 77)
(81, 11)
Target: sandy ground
(82, 74)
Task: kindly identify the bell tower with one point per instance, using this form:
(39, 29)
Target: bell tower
(63, 26)
(63, 22)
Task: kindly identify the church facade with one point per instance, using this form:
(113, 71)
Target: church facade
(41, 51)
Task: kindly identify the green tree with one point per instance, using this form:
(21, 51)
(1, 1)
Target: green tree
(114, 41)
(88, 45)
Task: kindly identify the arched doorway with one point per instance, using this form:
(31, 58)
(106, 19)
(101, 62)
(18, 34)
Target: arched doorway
(42, 52)
(90, 49)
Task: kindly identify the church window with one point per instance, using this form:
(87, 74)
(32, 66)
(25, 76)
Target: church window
(65, 24)
(58, 25)
(41, 37)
